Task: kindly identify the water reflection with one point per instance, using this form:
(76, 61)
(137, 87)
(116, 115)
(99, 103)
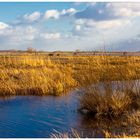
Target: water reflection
(6, 98)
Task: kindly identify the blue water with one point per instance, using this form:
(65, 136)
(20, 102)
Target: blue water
(38, 117)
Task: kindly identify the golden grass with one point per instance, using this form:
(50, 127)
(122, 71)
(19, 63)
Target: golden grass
(132, 125)
(72, 134)
(111, 99)
(38, 74)
(131, 130)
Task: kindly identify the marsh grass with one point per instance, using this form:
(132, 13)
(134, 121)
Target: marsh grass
(111, 83)
(34, 76)
(114, 95)
(128, 127)
(73, 134)
(38, 74)
(131, 129)
(118, 102)
(110, 99)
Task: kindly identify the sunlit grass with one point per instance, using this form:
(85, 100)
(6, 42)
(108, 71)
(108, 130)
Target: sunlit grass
(111, 84)
(111, 99)
(42, 75)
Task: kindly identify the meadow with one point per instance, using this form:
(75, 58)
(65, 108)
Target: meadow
(111, 86)
(32, 74)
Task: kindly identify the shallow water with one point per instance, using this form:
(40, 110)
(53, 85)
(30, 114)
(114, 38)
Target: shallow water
(41, 116)
(36, 116)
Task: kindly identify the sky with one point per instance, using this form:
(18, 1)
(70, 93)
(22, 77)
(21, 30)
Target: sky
(68, 26)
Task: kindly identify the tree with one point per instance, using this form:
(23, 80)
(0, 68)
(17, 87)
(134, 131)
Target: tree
(31, 50)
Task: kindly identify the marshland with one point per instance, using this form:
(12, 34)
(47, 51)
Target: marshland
(69, 94)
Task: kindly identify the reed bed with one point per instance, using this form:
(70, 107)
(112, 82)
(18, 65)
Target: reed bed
(111, 99)
(34, 74)
(111, 85)
(123, 128)
(115, 97)
(30, 75)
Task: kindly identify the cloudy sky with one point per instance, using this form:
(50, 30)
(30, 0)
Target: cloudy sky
(70, 26)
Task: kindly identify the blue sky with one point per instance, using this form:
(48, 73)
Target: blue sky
(67, 26)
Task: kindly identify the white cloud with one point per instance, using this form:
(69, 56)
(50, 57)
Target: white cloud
(80, 21)
(16, 35)
(78, 27)
(38, 17)
(70, 31)
(54, 14)
(51, 35)
(108, 24)
(109, 11)
(32, 17)
(125, 9)
(105, 24)
(111, 24)
(3, 25)
(69, 11)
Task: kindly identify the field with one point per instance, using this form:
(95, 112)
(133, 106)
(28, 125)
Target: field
(39, 74)
(110, 83)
